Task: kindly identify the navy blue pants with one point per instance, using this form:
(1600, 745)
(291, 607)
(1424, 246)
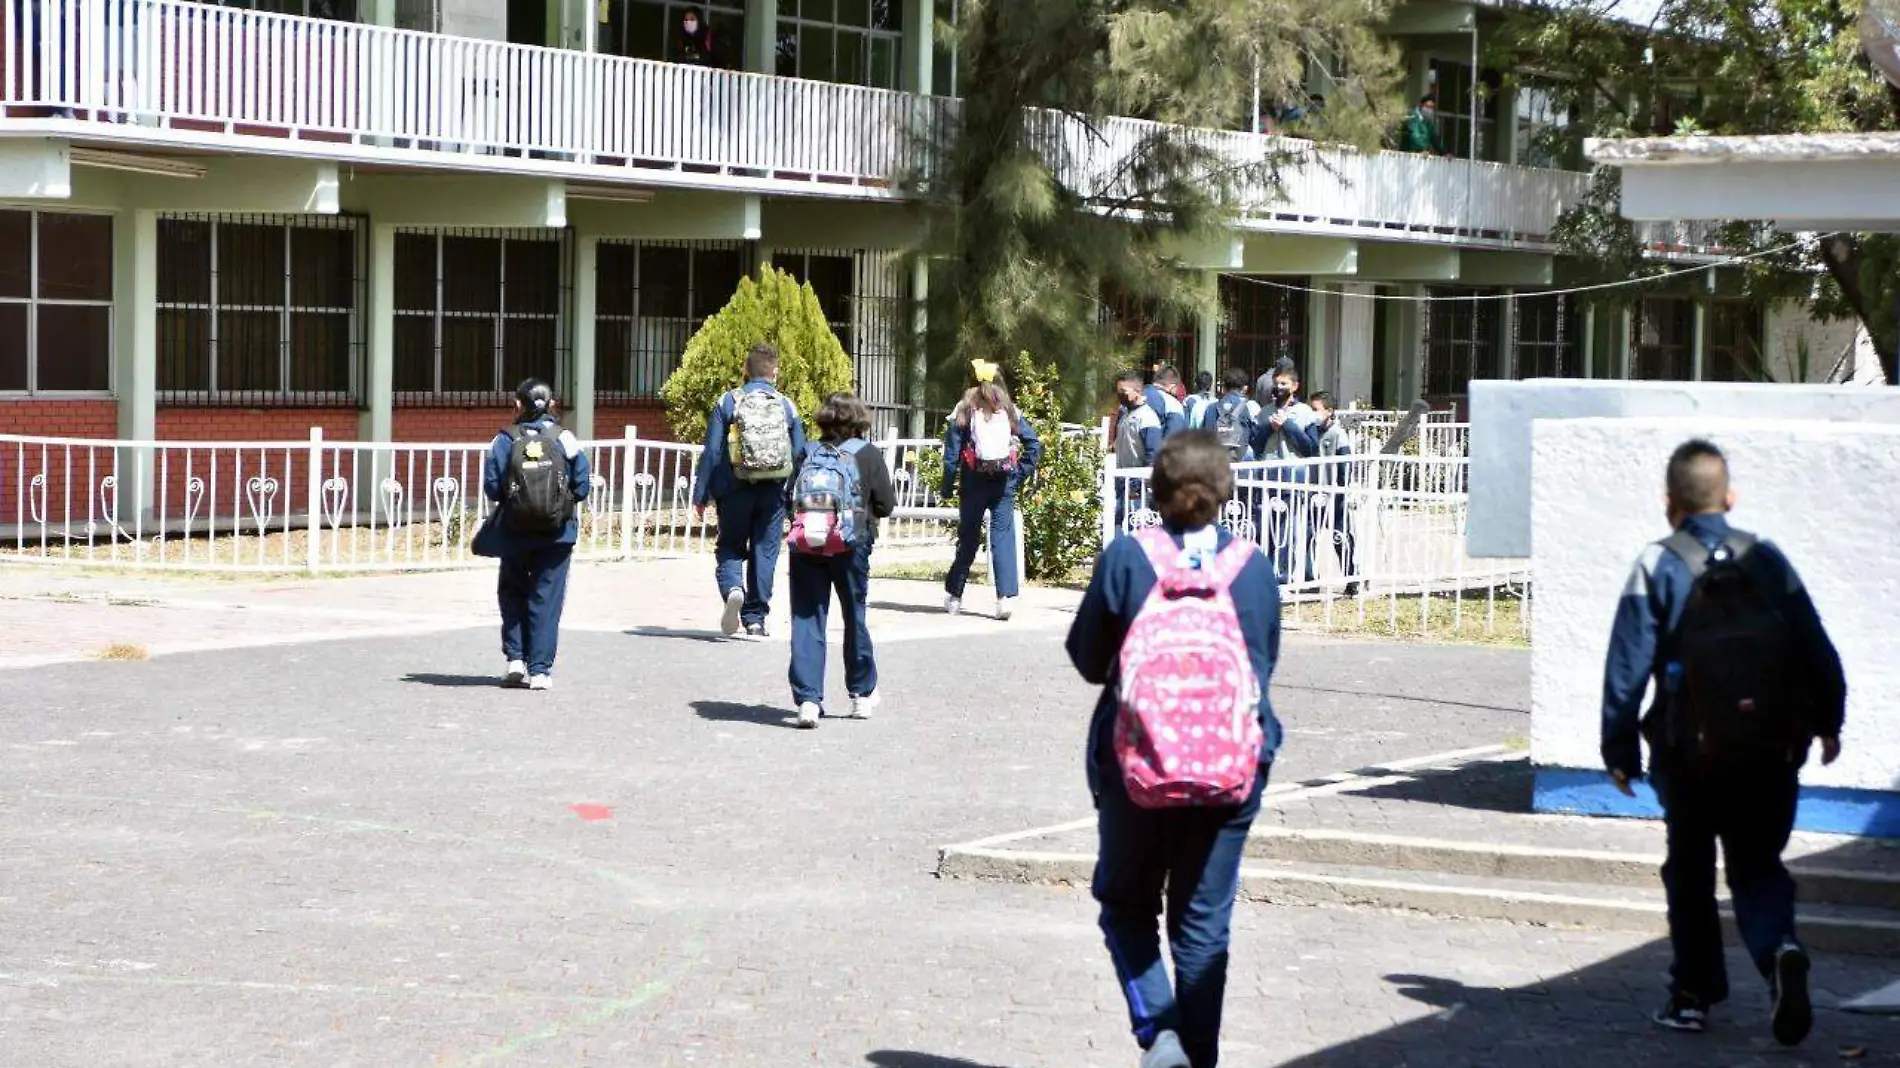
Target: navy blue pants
(531, 591)
(814, 578)
(751, 527)
(1193, 855)
(996, 496)
(1752, 815)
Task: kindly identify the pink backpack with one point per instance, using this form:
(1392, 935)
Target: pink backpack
(1187, 732)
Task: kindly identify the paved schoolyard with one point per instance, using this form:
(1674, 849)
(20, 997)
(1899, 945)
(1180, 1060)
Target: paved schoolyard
(358, 852)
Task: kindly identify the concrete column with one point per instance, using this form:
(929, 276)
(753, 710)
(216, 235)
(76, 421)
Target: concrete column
(920, 46)
(761, 36)
(1207, 341)
(1507, 339)
(135, 355)
(1587, 342)
(580, 399)
(1699, 340)
(1405, 339)
(916, 426)
(1625, 344)
(1322, 366)
(1507, 125)
(378, 12)
(379, 369)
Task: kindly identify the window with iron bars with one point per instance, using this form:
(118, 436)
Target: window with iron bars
(1663, 348)
(652, 297)
(55, 302)
(1167, 339)
(341, 10)
(1542, 345)
(478, 311)
(1735, 343)
(260, 310)
(1261, 324)
(1461, 342)
(863, 297)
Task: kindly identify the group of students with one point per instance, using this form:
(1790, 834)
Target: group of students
(1180, 627)
(1263, 419)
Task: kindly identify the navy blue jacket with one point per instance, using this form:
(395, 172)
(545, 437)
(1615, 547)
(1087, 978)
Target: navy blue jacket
(1122, 581)
(580, 477)
(1649, 612)
(714, 477)
(953, 441)
(1169, 407)
(1210, 419)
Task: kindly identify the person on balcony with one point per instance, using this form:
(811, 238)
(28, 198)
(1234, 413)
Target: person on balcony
(1419, 132)
(695, 45)
(753, 437)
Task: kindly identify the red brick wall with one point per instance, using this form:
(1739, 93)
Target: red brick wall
(69, 491)
(226, 482)
(649, 418)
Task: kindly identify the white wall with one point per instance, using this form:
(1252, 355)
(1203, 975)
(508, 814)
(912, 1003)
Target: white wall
(1502, 412)
(1837, 349)
(1824, 492)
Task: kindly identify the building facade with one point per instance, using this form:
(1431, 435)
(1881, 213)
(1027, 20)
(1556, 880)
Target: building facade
(239, 221)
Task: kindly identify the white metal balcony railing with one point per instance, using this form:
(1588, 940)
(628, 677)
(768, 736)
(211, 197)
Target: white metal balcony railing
(227, 72)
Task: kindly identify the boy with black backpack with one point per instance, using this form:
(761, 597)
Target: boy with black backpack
(536, 473)
(753, 434)
(1745, 681)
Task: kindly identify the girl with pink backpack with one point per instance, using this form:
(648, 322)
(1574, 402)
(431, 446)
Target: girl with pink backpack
(989, 452)
(1180, 627)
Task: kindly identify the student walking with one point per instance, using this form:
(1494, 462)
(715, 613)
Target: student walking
(536, 473)
(753, 434)
(1746, 680)
(1180, 627)
(989, 452)
(841, 489)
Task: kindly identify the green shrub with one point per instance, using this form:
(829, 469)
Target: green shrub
(1062, 507)
(774, 308)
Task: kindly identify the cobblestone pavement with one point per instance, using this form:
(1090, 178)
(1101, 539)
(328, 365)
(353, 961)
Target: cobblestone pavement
(359, 852)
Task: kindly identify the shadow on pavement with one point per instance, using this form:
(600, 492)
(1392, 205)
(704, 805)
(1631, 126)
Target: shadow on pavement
(682, 635)
(733, 712)
(908, 609)
(896, 1058)
(1483, 786)
(426, 678)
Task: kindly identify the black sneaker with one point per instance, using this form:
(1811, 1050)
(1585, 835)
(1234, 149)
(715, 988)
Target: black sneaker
(1683, 1013)
(1794, 1012)
(755, 630)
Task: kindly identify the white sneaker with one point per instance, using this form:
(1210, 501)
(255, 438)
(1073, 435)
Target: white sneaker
(953, 605)
(516, 676)
(735, 603)
(541, 682)
(1005, 607)
(808, 714)
(862, 707)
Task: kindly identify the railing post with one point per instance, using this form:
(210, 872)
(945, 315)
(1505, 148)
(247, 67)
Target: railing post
(313, 502)
(1108, 498)
(631, 445)
(890, 450)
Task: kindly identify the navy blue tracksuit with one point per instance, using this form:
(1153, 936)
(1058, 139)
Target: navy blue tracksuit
(1750, 810)
(751, 514)
(994, 495)
(814, 578)
(532, 588)
(1194, 852)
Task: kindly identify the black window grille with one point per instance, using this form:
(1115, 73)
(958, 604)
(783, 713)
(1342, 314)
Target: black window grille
(1262, 323)
(1167, 338)
(1663, 349)
(651, 298)
(260, 310)
(1543, 347)
(1461, 342)
(1734, 343)
(864, 297)
(55, 302)
(478, 311)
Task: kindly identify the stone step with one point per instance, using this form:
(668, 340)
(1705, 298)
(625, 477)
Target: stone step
(1840, 877)
(1827, 927)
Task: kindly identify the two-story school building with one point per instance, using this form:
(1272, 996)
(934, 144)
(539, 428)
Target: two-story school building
(239, 221)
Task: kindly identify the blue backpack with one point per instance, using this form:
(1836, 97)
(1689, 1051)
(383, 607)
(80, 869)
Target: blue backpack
(827, 501)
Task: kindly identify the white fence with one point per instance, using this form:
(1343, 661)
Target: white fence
(323, 86)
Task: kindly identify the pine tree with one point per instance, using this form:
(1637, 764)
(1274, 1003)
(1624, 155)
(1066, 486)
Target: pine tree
(1032, 218)
(776, 309)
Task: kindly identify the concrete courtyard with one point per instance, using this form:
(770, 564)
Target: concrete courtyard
(309, 831)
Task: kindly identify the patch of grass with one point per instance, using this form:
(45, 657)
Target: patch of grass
(1517, 743)
(119, 651)
(1440, 618)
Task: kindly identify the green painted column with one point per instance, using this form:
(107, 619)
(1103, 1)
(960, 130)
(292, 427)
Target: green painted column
(920, 358)
(761, 36)
(1405, 341)
(1699, 341)
(379, 12)
(1207, 340)
(1587, 343)
(1626, 344)
(1322, 371)
(920, 31)
(580, 400)
(379, 369)
(135, 355)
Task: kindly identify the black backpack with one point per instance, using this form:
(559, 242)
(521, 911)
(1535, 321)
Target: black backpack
(536, 496)
(1731, 686)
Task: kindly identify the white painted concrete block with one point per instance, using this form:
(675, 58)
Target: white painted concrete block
(1502, 413)
(1827, 493)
